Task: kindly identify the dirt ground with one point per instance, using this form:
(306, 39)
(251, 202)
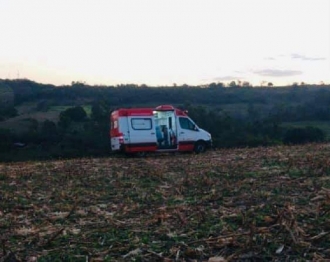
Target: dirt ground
(260, 204)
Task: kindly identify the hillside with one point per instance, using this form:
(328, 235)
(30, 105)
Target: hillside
(43, 123)
(6, 96)
(238, 204)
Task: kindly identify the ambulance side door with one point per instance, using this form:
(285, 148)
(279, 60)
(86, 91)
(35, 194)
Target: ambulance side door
(142, 132)
(187, 132)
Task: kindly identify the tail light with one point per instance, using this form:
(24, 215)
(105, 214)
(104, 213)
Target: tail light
(121, 140)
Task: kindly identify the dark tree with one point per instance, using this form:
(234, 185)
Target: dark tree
(73, 114)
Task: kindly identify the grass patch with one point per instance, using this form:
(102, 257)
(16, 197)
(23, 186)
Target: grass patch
(87, 108)
(323, 125)
(59, 108)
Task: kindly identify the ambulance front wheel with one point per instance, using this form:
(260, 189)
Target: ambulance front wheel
(200, 147)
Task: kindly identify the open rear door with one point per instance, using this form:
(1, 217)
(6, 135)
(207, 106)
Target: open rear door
(166, 129)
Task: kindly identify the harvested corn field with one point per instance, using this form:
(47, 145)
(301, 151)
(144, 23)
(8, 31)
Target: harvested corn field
(227, 205)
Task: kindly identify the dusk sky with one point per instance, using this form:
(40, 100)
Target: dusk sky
(161, 42)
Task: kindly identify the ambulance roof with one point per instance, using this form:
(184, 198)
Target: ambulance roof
(146, 111)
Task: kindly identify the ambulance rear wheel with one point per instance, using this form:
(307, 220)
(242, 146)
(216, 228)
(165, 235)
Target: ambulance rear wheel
(200, 147)
(141, 154)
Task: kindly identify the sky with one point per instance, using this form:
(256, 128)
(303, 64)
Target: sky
(165, 42)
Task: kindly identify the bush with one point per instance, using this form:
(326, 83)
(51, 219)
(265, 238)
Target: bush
(303, 135)
(42, 106)
(73, 114)
(6, 140)
(7, 113)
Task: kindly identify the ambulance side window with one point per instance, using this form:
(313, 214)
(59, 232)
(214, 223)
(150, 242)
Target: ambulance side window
(185, 123)
(141, 123)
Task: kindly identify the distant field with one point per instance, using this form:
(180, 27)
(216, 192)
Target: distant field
(19, 124)
(323, 125)
(261, 204)
(87, 108)
(28, 111)
(59, 108)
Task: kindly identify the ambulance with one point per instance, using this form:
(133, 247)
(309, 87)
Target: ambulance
(161, 129)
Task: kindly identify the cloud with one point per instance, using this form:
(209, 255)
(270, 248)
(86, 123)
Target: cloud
(277, 73)
(306, 58)
(296, 56)
(227, 78)
(269, 58)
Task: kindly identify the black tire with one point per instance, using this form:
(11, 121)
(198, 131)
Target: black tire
(200, 147)
(141, 154)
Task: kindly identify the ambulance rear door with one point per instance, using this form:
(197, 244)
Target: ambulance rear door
(142, 136)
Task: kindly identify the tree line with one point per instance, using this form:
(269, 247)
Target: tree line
(236, 116)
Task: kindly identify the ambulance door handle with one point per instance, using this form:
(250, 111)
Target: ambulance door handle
(152, 133)
(181, 133)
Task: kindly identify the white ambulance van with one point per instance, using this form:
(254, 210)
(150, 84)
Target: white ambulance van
(160, 129)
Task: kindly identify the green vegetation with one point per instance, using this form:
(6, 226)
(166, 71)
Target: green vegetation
(87, 108)
(59, 108)
(6, 96)
(323, 125)
(73, 121)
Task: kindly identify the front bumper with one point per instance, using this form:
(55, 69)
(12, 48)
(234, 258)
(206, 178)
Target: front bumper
(209, 144)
